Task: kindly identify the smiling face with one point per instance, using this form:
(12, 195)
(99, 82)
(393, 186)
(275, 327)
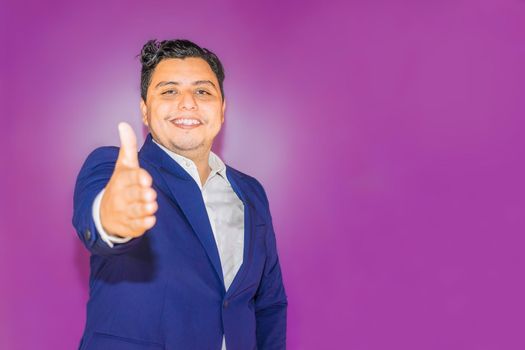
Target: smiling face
(184, 110)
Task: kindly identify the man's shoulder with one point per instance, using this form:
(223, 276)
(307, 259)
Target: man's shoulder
(252, 182)
(242, 175)
(103, 154)
(101, 158)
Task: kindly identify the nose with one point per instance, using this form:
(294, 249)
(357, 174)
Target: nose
(187, 101)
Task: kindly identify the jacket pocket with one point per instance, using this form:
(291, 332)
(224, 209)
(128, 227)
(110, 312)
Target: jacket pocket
(103, 341)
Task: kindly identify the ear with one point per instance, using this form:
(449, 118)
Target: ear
(144, 112)
(223, 110)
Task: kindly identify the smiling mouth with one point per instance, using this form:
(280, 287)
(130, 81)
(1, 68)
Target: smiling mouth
(186, 123)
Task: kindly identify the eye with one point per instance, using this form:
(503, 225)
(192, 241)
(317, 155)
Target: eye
(202, 92)
(169, 92)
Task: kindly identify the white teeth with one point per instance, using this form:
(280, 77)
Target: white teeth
(187, 121)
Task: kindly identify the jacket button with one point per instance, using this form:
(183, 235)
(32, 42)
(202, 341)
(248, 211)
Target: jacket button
(87, 235)
(225, 304)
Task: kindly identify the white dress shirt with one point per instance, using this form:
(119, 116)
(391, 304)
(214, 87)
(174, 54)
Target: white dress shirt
(225, 212)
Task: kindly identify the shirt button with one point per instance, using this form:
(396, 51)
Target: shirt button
(87, 235)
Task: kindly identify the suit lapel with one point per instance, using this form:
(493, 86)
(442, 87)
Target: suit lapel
(187, 194)
(240, 187)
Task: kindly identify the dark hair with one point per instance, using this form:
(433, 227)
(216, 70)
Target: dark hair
(154, 51)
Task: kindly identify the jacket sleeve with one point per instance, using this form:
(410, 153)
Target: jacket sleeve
(270, 299)
(93, 178)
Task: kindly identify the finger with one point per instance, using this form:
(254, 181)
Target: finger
(139, 194)
(149, 194)
(145, 178)
(128, 155)
(133, 194)
(142, 224)
(139, 210)
(149, 221)
(135, 211)
(151, 208)
(135, 177)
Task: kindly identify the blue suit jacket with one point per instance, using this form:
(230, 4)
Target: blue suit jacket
(165, 290)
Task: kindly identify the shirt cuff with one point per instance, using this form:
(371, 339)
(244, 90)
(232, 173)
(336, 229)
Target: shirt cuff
(106, 237)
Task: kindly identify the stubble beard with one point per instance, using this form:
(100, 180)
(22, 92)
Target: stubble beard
(188, 149)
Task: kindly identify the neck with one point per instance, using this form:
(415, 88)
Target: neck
(198, 156)
(201, 160)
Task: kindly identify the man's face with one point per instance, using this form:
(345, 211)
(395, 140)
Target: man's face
(184, 109)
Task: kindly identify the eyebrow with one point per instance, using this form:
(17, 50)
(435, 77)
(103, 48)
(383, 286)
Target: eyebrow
(197, 82)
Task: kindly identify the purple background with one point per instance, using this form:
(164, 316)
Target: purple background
(388, 135)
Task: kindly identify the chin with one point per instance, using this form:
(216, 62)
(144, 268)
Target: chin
(190, 146)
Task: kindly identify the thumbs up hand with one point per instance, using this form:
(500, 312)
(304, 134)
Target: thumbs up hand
(129, 202)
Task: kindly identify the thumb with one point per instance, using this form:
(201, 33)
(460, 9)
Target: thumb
(128, 146)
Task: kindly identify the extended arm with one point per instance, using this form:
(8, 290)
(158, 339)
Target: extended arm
(114, 196)
(91, 181)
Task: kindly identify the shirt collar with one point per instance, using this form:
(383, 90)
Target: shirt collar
(214, 161)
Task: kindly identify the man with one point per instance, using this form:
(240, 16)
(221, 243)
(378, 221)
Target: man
(183, 251)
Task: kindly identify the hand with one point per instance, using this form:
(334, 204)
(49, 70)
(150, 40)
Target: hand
(129, 202)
